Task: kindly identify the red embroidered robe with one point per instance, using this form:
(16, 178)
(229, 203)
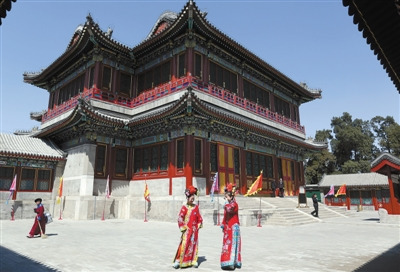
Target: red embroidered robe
(189, 222)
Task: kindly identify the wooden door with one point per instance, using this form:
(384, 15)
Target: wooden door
(226, 167)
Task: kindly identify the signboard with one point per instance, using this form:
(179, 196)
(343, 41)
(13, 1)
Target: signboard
(302, 197)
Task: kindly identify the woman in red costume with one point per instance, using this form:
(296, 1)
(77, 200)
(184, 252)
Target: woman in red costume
(189, 222)
(231, 257)
(39, 218)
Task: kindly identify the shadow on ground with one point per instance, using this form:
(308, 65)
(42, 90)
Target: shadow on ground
(12, 261)
(387, 261)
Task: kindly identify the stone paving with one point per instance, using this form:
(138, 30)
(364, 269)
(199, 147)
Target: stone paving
(357, 243)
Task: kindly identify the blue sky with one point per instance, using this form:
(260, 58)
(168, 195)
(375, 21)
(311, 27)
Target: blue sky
(314, 42)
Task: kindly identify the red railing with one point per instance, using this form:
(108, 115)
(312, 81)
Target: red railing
(169, 88)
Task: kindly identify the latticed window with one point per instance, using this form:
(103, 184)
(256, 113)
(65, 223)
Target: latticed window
(27, 179)
(164, 157)
(181, 65)
(43, 180)
(125, 83)
(282, 107)
(256, 94)
(91, 77)
(197, 156)
(198, 65)
(280, 174)
(292, 170)
(249, 165)
(270, 167)
(355, 197)
(263, 165)
(151, 159)
(213, 157)
(180, 154)
(383, 195)
(138, 159)
(154, 158)
(154, 77)
(71, 89)
(366, 197)
(256, 164)
(223, 77)
(121, 162)
(100, 164)
(6, 177)
(146, 159)
(106, 78)
(236, 161)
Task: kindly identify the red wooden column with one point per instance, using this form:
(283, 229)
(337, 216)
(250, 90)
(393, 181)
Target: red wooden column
(189, 61)
(243, 174)
(189, 159)
(172, 162)
(173, 68)
(96, 76)
(391, 191)
(206, 164)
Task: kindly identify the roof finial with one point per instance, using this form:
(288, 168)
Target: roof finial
(109, 32)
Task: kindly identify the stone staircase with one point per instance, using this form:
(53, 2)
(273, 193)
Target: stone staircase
(274, 211)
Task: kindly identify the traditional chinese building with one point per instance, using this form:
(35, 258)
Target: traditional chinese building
(5, 6)
(379, 21)
(186, 103)
(389, 165)
(375, 190)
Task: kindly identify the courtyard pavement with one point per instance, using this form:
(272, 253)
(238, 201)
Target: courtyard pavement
(356, 243)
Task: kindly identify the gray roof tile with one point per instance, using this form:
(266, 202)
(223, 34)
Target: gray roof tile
(24, 145)
(363, 179)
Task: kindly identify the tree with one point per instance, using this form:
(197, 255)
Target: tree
(382, 128)
(318, 164)
(351, 167)
(393, 135)
(353, 140)
(323, 135)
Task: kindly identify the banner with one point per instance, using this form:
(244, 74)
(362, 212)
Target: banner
(214, 186)
(13, 188)
(256, 186)
(60, 191)
(341, 191)
(331, 191)
(146, 193)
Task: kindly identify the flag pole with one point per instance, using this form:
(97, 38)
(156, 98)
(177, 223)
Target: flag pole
(145, 200)
(104, 208)
(218, 222)
(60, 218)
(145, 213)
(12, 213)
(259, 216)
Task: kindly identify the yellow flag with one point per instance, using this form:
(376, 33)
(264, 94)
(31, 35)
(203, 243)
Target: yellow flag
(60, 190)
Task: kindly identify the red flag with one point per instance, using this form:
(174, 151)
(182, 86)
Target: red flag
(146, 193)
(60, 191)
(256, 186)
(108, 187)
(341, 191)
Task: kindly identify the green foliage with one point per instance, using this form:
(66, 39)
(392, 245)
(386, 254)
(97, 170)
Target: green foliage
(387, 133)
(393, 133)
(318, 164)
(352, 167)
(354, 144)
(353, 139)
